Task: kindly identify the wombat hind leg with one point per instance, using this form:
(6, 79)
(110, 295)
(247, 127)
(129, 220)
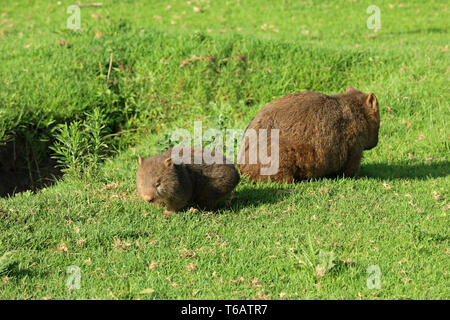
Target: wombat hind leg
(228, 199)
(174, 206)
(213, 204)
(353, 164)
(284, 174)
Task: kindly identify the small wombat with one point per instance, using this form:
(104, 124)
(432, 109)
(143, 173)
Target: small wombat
(319, 135)
(163, 182)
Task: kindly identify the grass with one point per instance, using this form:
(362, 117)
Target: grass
(172, 66)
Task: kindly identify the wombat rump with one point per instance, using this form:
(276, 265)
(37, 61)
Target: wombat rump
(163, 182)
(319, 135)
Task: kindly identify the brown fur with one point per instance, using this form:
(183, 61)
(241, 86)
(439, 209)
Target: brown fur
(162, 182)
(320, 135)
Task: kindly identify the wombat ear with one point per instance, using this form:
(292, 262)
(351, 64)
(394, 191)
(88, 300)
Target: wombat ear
(168, 162)
(372, 102)
(349, 88)
(140, 159)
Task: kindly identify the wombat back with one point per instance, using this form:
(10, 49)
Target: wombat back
(214, 178)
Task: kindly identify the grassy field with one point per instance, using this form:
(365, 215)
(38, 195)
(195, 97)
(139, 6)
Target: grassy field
(95, 98)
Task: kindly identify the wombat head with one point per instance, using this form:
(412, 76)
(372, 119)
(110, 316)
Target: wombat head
(156, 179)
(368, 104)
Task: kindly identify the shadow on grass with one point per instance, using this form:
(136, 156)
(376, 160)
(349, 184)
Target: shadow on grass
(258, 195)
(405, 170)
(15, 271)
(253, 195)
(342, 267)
(422, 236)
(425, 30)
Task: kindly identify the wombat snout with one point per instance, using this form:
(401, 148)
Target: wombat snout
(148, 197)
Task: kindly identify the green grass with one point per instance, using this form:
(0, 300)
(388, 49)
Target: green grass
(395, 215)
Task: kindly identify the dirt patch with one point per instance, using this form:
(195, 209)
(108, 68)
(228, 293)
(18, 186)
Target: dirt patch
(25, 167)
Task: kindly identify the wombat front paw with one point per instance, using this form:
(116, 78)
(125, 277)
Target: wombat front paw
(168, 213)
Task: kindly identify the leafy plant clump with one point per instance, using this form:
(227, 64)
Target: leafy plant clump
(6, 260)
(81, 144)
(318, 261)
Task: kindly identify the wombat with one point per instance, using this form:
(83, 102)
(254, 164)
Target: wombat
(164, 183)
(319, 135)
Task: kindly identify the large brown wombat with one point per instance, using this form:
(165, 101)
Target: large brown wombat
(163, 182)
(319, 135)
